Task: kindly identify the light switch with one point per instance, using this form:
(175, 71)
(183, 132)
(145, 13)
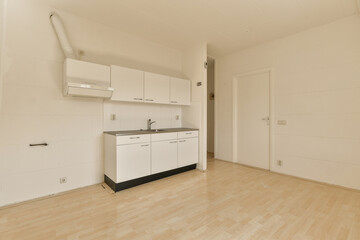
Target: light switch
(282, 122)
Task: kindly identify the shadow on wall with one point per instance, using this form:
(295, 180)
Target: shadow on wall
(126, 61)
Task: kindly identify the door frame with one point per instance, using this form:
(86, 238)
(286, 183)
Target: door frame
(215, 116)
(271, 113)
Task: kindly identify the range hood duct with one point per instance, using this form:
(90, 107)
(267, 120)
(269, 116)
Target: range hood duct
(61, 34)
(82, 79)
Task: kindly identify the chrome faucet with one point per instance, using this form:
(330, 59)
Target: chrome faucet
(149, 123)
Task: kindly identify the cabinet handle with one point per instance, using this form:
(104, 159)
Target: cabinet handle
(174, 142)
(146, 145)
(38, 144)
(188, 133)
(138, 99)
(183, 141)
(134, 137)
(149, 100)
(174, 102)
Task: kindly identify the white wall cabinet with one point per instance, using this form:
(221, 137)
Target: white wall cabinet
(133, 161)
(128, 84)
(133, 85)
(156, 88)
(188, 152)
(179, 91)
(163, 156)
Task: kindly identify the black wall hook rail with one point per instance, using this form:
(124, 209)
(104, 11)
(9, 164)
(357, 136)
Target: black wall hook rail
(38, 144)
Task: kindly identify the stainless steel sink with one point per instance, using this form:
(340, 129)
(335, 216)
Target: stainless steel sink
(156, 130)
(152, 130)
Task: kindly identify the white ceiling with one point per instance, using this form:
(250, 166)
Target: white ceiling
(226, 25)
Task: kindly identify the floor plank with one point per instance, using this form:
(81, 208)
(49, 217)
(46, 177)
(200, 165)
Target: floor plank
(229, 201)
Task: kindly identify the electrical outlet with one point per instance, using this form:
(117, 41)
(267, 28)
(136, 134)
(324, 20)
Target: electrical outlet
(280, 163)
(63, 180)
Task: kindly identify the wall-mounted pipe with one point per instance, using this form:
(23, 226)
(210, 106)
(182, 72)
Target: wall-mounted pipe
(61, 34)
(358, 5)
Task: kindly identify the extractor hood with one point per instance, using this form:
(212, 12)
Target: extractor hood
(86, 79)
(81, 78)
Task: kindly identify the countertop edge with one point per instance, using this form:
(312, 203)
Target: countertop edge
(143, 132)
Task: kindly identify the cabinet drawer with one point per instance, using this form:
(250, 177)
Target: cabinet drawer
(188, 134)
(129, 139)
(163, 136)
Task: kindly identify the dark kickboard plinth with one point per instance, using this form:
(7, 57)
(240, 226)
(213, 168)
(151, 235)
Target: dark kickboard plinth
(138, 181)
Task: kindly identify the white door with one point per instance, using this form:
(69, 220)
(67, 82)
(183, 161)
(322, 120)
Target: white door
(163, 156)
(252, 109)
(128, 84)
(188, 151)
(133, 161)
(179, 91)
(156, 88)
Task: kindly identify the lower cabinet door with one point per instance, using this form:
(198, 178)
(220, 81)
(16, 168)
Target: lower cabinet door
(188, 151)
(133, 161)
(163, 156)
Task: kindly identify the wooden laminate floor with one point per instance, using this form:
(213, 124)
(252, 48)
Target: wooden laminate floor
(229, 201)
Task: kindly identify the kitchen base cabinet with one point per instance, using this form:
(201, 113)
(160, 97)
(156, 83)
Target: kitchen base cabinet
(188, 151)
(127, 157)
(163, 156)
(133, 161)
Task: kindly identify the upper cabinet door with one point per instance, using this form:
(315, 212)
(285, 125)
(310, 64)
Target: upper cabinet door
(128, 84)
(156, 88)
(179, 91)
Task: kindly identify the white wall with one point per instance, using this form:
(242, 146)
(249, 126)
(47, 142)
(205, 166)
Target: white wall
(2, 25)
(317, 90)
(134, 116)
(195, 116)
(210, 106)
(33, 109)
